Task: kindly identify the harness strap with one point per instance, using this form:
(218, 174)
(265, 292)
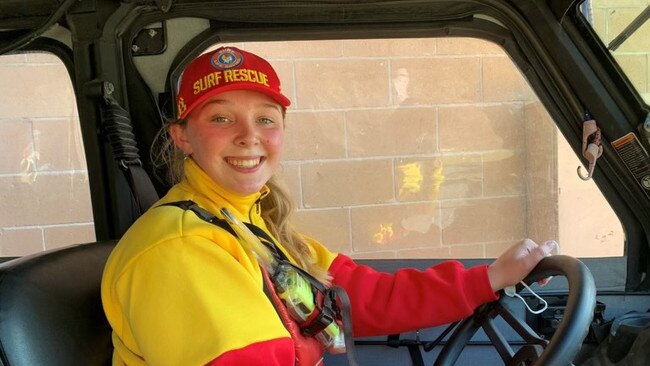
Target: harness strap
(204, 215)
(342, 307)
(208, 216)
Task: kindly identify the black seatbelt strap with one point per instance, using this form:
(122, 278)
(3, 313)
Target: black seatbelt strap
(116, 124)
(144, 193)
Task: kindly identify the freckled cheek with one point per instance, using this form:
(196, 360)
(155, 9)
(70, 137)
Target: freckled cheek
(275, 141)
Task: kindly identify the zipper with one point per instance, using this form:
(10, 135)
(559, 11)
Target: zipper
(256, 206)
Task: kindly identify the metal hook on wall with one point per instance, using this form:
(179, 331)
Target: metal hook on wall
(584, 177)
(590, 172)
(591, 145)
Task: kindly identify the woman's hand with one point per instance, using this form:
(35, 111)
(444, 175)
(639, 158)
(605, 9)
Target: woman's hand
(516, 262)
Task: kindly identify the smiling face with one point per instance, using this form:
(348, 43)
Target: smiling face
(236, 137)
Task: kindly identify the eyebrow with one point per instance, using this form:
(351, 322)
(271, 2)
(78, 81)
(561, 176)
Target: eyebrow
(226, 102)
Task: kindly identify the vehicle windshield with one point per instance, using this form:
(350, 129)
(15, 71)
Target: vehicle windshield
(477, 164)
(624, 29)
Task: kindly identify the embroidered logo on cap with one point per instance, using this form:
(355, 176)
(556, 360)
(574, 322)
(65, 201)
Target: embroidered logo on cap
(181, 107)
(226, 58)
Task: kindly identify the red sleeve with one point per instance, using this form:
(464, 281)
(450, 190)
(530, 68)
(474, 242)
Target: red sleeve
(277, 352)
(410, 299)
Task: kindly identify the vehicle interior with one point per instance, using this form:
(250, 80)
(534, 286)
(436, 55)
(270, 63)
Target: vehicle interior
(419, 131)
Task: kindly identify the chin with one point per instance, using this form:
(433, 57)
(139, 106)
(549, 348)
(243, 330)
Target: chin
(247, 190)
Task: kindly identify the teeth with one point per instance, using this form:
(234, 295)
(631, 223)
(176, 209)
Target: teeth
(249, 163)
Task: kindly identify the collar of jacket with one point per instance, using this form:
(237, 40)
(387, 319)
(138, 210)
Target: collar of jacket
(216, 196)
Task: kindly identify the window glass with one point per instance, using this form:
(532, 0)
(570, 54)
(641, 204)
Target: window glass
(420, 148)
(624, 28)
(44, 190)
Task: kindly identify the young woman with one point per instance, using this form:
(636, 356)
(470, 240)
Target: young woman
(179, 290)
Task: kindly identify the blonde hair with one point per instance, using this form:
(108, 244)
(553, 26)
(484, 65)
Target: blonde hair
(277, 206)
(277, 209)
(166, 156)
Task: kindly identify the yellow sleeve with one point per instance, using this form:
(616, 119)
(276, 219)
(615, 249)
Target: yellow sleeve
(187, 300)
(322, 256)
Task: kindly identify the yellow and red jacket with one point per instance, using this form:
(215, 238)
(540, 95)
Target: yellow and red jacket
(180, 291)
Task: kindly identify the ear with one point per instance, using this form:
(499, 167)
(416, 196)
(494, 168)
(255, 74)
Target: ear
(177, 131)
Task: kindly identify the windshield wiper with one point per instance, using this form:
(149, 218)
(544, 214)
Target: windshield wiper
(630, 29)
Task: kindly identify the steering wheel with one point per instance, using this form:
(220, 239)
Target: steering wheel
(567, 339)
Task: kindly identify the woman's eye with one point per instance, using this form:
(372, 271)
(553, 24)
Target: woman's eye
(220, 119)
(265, 121)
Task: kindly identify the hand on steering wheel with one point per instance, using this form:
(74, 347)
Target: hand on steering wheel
(567, 339)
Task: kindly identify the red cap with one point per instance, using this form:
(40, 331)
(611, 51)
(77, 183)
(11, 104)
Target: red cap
(222, 70)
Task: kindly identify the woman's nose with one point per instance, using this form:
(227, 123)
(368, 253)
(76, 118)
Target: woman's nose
(247, 134)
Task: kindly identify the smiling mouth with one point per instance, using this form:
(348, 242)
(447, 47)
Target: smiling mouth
(244, 163)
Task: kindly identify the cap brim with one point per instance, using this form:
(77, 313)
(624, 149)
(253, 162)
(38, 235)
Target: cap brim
(278, 97)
